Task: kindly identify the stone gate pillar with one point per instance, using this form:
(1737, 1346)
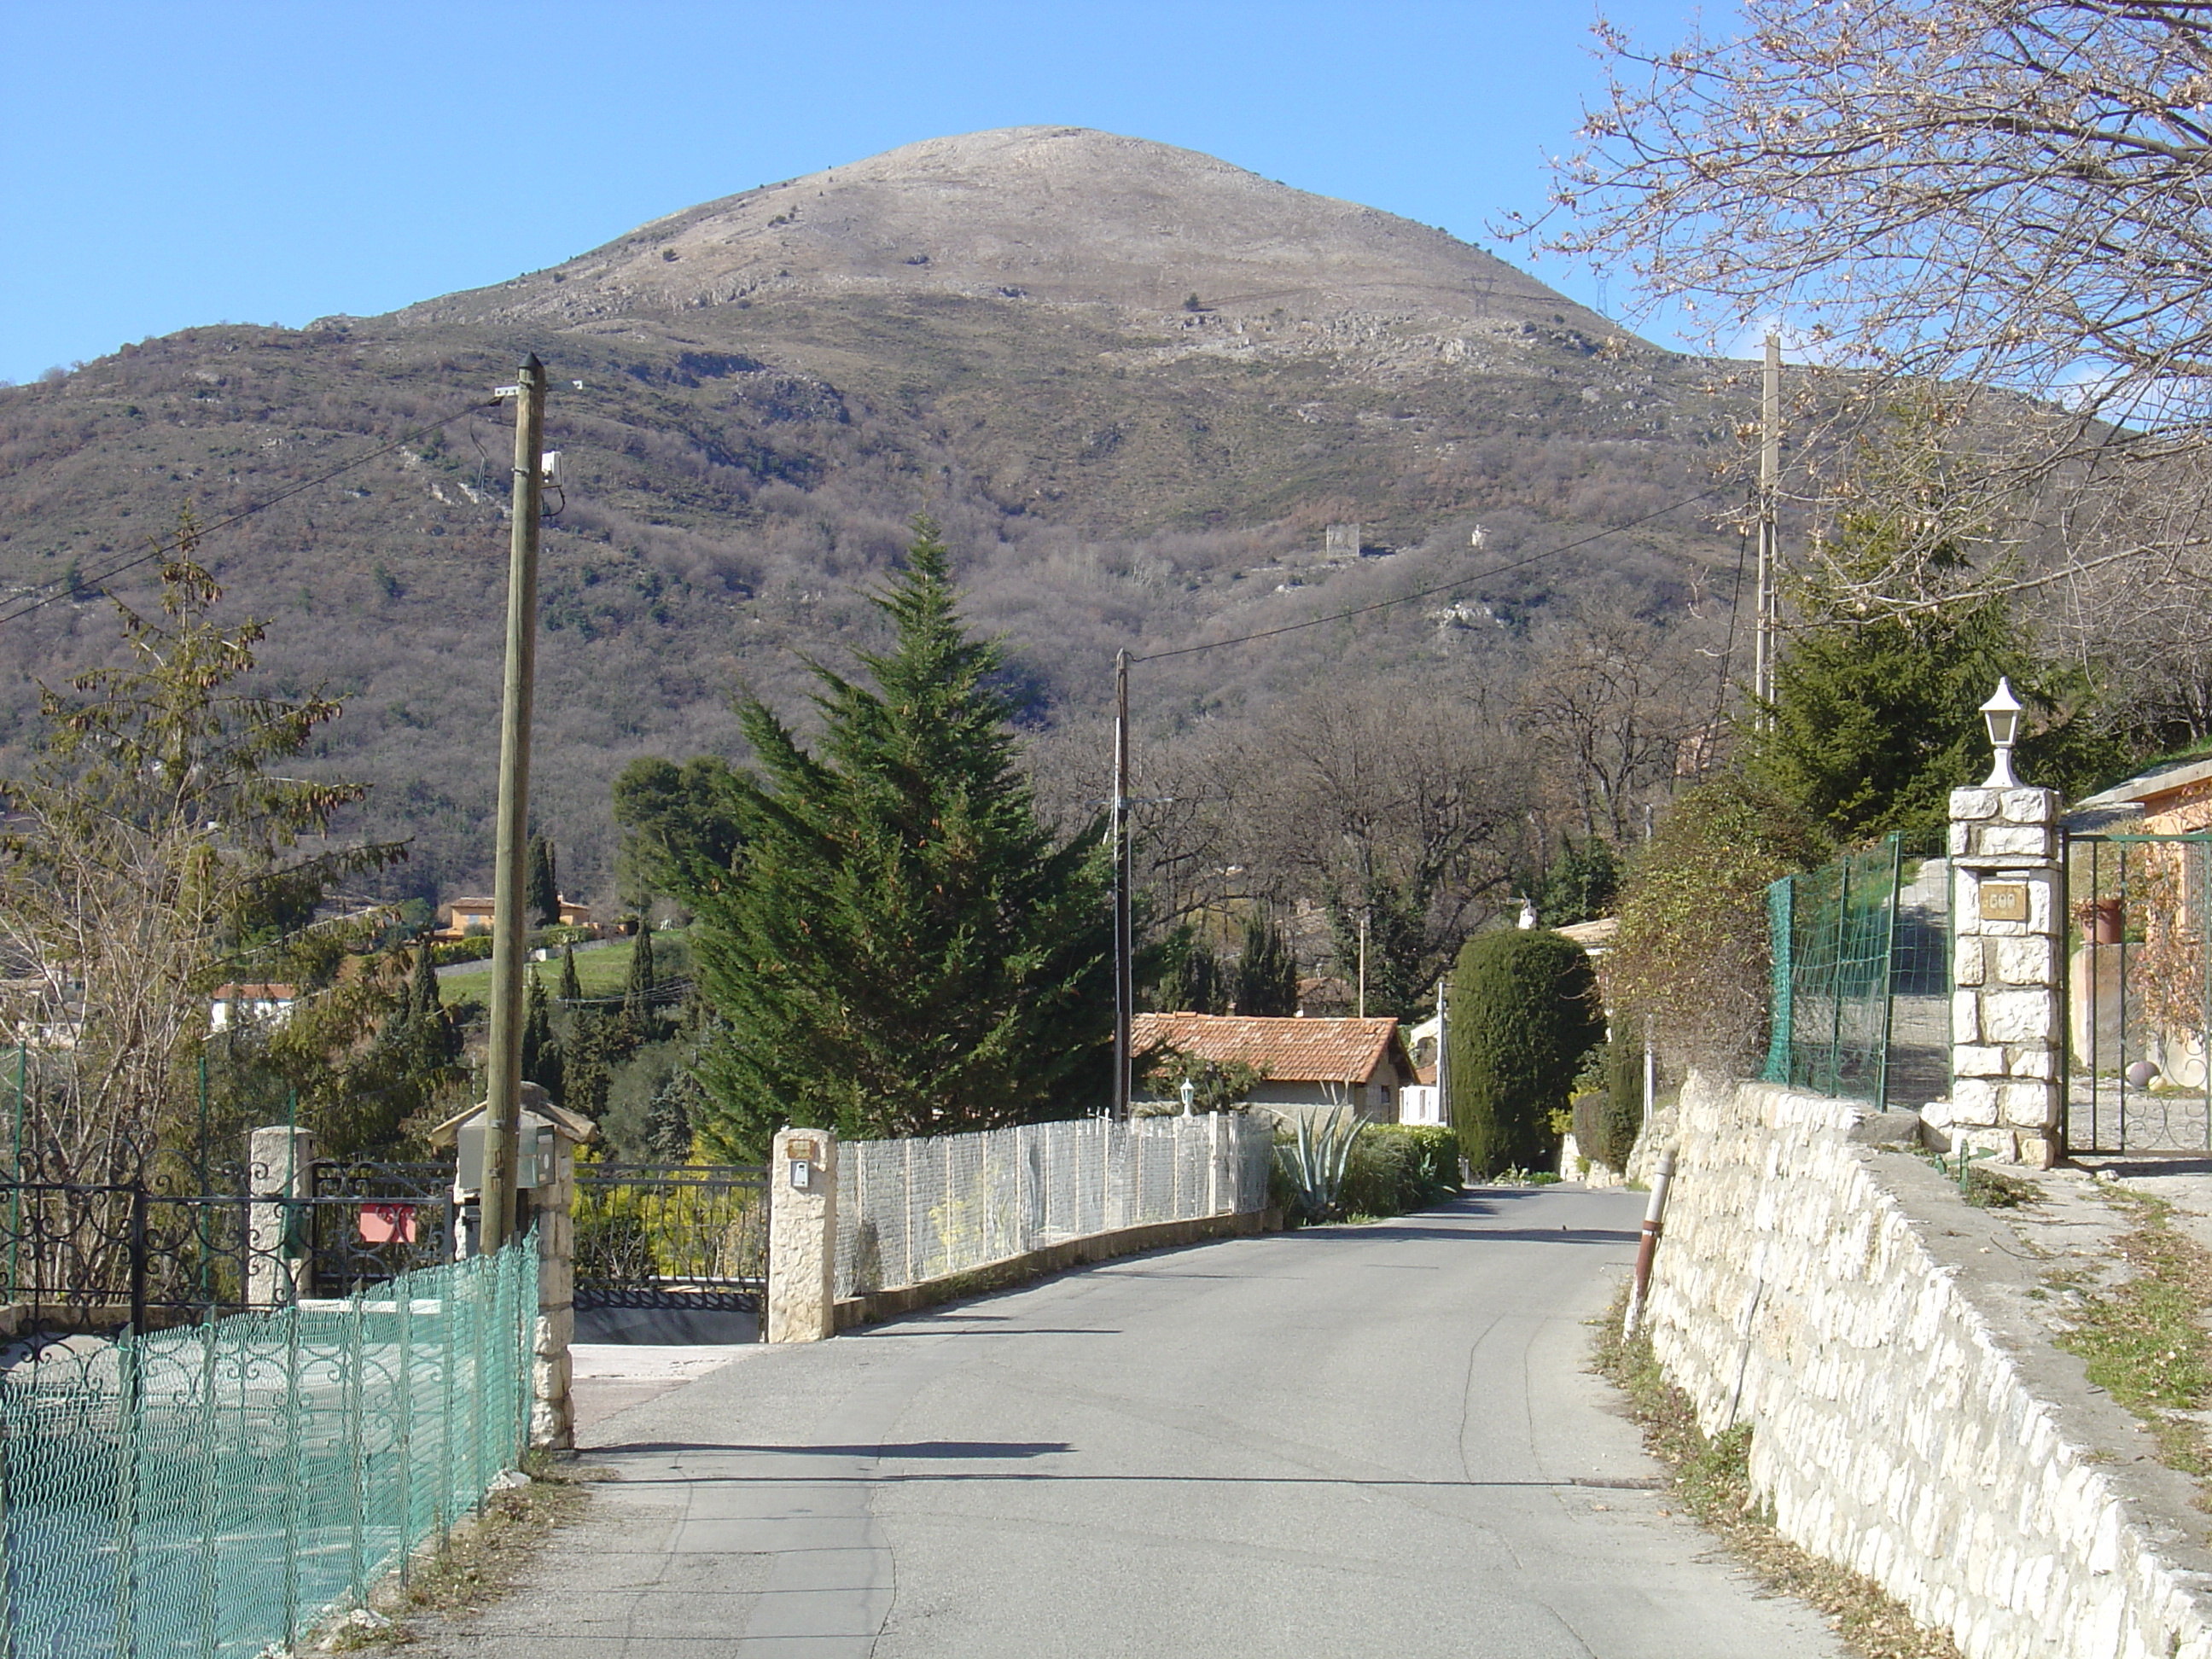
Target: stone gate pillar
(279, 1164)
(802, 1237)
(552, 1409)
(2009, 931)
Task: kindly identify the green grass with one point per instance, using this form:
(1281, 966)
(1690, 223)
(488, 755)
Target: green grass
(2145, 1340)
(604, 970)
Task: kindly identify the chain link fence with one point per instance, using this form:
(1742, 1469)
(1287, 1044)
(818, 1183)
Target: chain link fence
(914, 1210)
(213, 1489)
(1836, 974)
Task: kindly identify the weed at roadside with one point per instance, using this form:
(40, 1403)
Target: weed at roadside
(1712, 1477)
(2145, 1340)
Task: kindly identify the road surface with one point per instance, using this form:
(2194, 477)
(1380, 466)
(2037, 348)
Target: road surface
(1357, 1441)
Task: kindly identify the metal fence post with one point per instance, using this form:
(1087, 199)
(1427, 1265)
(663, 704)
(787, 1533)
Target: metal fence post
(405, 1429)
(128, 1406)
(209, 1642)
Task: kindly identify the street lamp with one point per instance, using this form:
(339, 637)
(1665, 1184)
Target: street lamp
(1189, 1094)
(2002, 714)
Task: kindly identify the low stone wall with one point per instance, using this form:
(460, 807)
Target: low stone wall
(872, 1306)
(1909, 1419)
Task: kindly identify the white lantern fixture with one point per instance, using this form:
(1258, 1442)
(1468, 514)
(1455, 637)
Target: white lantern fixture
(1189, 1094)
(2001, 715)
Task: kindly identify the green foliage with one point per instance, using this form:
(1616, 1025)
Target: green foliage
(1581, 885)
(541, 1049)
(1266, 971)
(1400, 1167)
(1192, 980)
(1401, 964)
(680, 825)
(572, 990)
(1524, 1011)
(1313, 1159)
(1876, 714)
(901, 947)
(1217, 1085)
(1692, 958)
(543, 884)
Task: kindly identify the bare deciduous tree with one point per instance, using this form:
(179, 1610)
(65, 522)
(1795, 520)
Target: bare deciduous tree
(140, 857)
(2000, 195)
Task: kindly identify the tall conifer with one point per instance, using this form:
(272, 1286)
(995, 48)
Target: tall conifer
(906, 949)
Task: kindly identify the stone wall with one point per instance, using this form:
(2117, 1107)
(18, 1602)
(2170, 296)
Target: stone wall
(1909, 1418)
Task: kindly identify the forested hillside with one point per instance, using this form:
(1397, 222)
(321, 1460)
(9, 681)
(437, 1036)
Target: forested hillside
(1132, 383)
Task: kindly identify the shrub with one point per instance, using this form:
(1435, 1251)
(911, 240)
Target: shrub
(1692, 958)
(1397, 1167)
(1608, 1105)
(1524, 1012)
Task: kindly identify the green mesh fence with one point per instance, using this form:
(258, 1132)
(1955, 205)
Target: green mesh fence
(213, 1489)
(1834, 934)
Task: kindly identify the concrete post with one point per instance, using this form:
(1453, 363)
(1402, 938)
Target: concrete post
(2008, 929)
(279, 1164)
(552, 1413)
(802, 1235)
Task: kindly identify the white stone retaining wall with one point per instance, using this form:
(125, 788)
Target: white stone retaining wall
(1910, 1418)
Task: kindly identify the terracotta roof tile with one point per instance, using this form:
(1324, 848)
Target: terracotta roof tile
(1291, 1050)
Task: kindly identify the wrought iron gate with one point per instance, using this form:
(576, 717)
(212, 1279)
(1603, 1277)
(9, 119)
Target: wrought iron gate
(2139, 993)
(671, 1234)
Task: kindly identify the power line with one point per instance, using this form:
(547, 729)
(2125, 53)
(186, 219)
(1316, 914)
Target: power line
(161, 550)
(1430, 592)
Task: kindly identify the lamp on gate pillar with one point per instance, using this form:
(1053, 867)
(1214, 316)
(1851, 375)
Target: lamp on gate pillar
(2002, 714)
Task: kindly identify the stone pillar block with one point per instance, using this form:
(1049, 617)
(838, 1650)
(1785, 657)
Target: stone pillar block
(802, 1235)
(2008, 928)
(279, 1164)
(552, 1409)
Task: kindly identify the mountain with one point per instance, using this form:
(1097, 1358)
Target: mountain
(1135, 382)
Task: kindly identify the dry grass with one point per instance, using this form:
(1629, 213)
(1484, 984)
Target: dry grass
(479, 1563)
(1711, 1477)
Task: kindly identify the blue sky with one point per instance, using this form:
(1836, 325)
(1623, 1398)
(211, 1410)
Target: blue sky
(187, 162)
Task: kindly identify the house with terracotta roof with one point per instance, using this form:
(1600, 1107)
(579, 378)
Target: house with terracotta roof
(1308, 1065)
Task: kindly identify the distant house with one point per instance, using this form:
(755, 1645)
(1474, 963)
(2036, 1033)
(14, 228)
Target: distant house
(251, 1005)
(467, 917)
(1310, 1065)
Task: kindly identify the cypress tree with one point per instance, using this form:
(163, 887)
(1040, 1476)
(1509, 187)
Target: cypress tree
(1268, 971)
(1524, 1011)
(641, 1020)
(543, 889)
(904, 948)
(572, 989)
(541, 1049)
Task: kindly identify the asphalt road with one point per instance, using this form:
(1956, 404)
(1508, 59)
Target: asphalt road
(1357, 1441)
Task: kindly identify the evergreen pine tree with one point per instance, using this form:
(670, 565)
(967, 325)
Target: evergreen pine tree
(542, 900)
(572, 989)
(904, 949)
(1268, 971)
(1876, 715)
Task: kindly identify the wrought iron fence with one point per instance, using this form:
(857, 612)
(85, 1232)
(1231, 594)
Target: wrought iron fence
(211, 1490)
(671, 1235)
(2139, 975)
(99, 1258)
(918, 1209)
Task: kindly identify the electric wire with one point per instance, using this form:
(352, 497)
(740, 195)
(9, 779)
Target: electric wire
(1457, 582)
(161, 550)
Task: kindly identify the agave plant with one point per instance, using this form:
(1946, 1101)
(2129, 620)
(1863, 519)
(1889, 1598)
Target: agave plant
(1315, 1161)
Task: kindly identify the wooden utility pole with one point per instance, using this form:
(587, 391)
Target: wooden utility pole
(503, 1076)
(1124, 979)
(1770, 473)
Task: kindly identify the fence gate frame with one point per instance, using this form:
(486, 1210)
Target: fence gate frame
(701, 1239)
(2111, 1098)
